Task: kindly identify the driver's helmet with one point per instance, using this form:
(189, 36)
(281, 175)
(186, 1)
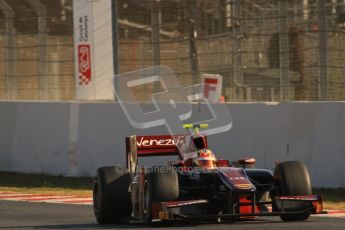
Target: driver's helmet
(205, 159)
(198, 142)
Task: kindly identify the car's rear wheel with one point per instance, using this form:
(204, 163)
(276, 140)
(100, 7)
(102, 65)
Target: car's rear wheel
(292, 178)
(160, 185)
(111, 198)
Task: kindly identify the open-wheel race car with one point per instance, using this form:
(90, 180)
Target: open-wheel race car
(199, 185)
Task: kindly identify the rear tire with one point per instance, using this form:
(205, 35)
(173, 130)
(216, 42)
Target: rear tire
(160, 185)
(293, 180)
(111, 198)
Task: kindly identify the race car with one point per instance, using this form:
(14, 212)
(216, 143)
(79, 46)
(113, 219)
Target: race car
(198, 185)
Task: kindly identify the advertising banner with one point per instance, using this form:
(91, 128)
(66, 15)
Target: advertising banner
(93, 49)
(212, 86)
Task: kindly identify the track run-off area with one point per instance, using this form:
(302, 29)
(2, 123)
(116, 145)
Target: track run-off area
(87, 200)
(45, 198)
(37, 215)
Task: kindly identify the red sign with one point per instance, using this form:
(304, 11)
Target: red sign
(84, 61)
(210, 85)
(212, 88)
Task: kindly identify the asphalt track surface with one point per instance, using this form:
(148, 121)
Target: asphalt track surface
(24, 215)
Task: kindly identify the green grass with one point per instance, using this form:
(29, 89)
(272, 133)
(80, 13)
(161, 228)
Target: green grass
(82, 186)
(334, 198)
(331, 194)
(36, 183)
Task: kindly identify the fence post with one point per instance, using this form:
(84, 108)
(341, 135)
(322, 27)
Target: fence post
(192, 41)
(115, 37)
(9, 51)
(115, 24)
(322, 86)
(237, 52)
(283, 51)
(42, 30)
(155, 36)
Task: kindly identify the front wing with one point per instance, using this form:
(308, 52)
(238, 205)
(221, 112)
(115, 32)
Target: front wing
(196, 209)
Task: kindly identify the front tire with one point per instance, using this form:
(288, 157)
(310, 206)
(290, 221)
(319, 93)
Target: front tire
(292, 178)
(160, 185)
(111, 198)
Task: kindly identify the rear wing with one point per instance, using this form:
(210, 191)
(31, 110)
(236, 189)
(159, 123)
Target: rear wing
(161, 145)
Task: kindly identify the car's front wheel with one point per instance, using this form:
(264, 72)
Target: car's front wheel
(111, 198)
(160, 185)
(292, 179)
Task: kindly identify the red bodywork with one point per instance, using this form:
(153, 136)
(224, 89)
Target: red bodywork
(162, 145)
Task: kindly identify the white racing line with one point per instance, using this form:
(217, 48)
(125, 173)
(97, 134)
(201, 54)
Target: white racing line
(87, 200)
(333, 213)
(45, 198)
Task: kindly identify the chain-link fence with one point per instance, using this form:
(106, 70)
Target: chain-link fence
(36, 50)
(266, 50)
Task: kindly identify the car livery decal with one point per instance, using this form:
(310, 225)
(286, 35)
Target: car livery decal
(235, 178)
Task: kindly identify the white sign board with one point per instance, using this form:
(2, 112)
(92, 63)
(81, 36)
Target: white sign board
(212, 86)
(93, 49)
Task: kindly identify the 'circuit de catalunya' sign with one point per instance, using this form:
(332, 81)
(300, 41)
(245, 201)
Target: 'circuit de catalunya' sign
(83, 38)
(93, 51)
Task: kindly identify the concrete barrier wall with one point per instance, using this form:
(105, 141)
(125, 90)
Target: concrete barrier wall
(76, 138)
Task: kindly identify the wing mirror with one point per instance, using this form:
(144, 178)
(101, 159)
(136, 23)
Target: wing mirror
(247, 162)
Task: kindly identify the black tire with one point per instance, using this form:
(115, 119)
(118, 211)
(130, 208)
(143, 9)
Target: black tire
(292, 178)
(111, 198)
(160, 185)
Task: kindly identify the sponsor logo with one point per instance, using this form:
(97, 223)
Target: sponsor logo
(84, 61)
(236, 178)
(143, 142)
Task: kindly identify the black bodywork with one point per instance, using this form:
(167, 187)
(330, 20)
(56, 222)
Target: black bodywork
(220, 192)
